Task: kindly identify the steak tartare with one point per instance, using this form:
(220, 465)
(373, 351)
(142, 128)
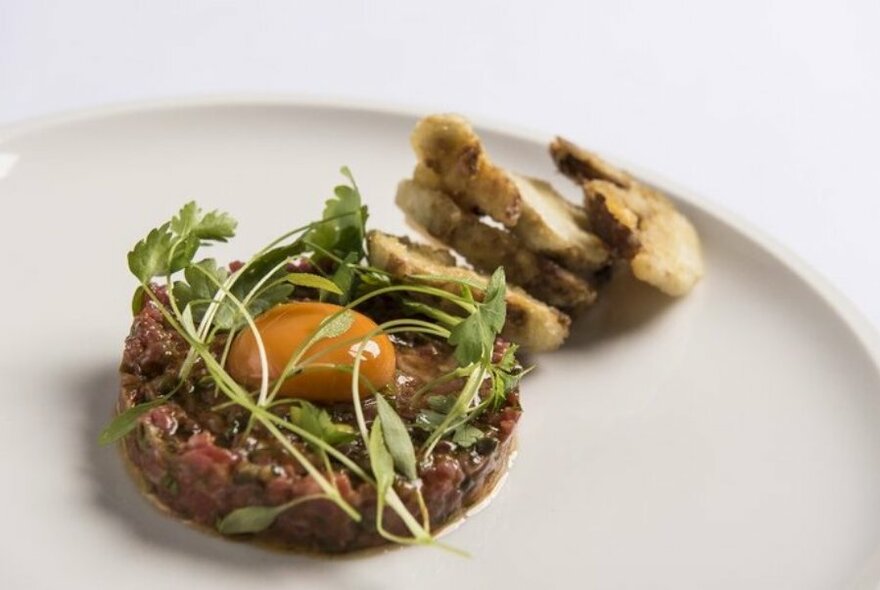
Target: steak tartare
(306, 399)
(196, 461)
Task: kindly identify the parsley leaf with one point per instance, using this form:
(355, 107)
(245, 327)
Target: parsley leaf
(268, 297)
(345, 278)
(229, 315)
(343, 228)
(466, 435)
(198, 289)
(508, 359)
(149, 257)
(317, 422)
(494, 305)
(182, 223)
(474, 337)
(213, 226)
(172, 246)
(429, 420)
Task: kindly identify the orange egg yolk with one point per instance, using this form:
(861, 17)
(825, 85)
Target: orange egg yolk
(284, 328)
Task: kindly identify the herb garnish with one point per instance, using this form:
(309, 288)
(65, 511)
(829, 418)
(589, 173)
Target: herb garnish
(207, 301)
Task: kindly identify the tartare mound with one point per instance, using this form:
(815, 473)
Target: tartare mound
(194, 457)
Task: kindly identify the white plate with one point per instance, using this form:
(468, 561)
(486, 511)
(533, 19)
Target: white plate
(727, 440)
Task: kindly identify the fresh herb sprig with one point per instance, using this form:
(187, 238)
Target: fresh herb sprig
(206, 300)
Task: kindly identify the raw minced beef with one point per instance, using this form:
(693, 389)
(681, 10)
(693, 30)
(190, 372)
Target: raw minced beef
(198, 463)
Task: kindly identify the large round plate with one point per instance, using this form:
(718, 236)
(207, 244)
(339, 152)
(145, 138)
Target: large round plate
(730, 439)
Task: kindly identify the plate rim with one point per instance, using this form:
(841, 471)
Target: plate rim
(867, 335)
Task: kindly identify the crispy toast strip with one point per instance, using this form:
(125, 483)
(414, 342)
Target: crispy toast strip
(487, 248)
(451, 158)
(530, 323)
(553, 226)
(637, 222)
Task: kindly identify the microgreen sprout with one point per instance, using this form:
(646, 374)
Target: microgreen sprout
(206, 302)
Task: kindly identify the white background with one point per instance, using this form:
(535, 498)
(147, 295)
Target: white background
(767, 108)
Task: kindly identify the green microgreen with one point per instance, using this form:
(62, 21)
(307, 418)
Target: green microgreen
(305, 279)
(207, 301)
(397, 439)
(253, 519)
(475, 336)
(466, 435)
(128, 420)
(317, 421)
(345, 233)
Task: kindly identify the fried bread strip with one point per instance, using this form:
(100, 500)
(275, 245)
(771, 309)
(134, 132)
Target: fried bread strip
(636, 221)
(452, 159)
(487, 247)
(530, 323)
(553, 226)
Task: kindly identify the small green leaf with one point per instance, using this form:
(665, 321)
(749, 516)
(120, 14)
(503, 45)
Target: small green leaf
(186, 319)
(200, 287)
(397, 439)
(125, 422)
(229, 314)
(334, 326)
(253, 519)
(342, 229)
(345, 277)
(506, 375)
(511, 380)
(499, 390)
(268, 298)
(149, 257)
(508, 359)
(441, 403)
(381, 462)
(216, 226)
(184, 252)
(173, 245)
(138, 300)
(466, 435)
(429, 420)
(186, 219)
(250, 519)
(468, 337)
(317, 422)
(474, 337)
(304, 279)
(494, 304)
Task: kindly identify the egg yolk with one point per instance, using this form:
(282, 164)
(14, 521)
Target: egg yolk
(286, 327)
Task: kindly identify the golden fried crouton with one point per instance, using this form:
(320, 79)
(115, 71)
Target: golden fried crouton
(551, 225)
(636, 221)
(487, 247)
(530, 323)
(451, 158)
